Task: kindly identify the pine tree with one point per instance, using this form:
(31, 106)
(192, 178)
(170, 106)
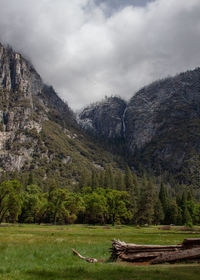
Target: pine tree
(135, 184)
(191, 205)
(128, 180)
(108, 179)
(83, 181)
(173, 213)
(101, 179)
(163, 197)
(165, 203)
(184, 200)
(146, 204)
(178, 200)
(94, 180)
(190, 196)
(158, 213)
(119, 181)
(187, 220)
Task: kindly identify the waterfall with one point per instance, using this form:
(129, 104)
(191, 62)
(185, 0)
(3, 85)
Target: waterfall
(123, 122)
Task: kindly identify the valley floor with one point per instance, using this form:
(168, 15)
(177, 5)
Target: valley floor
(44, 252)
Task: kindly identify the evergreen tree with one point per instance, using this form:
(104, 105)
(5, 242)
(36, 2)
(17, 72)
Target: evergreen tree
(128, 180)
(83, 180)
(158, 213)
(190, 196)
(197, 214)
(187, 220)
(184, 201)
(191, 205)
(101, 179)
(108, 179)
(135, 185)
(163, 197)
(179, 217)
(146, 204)
(94, 180)
(173, 213)
(178, 200)
(119, 181)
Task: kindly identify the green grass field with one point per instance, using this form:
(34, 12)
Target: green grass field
(44, 252)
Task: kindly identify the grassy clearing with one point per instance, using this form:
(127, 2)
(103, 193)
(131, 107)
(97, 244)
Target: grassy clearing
(44, 252)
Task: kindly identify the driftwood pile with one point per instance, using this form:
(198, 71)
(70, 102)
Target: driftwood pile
(189, 250)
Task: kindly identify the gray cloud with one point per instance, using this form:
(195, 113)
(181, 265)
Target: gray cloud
(87, 49)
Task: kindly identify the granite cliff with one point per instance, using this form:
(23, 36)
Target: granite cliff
(159, 127)
(25, 102)
(160, 124)
(105, 118)
(38, 130)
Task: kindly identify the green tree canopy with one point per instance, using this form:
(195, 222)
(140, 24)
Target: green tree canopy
(10, 200)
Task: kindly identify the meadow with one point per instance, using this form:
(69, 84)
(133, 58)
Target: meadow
(44, 252)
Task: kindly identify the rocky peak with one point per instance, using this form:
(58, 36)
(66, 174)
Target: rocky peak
(18, 75)
(160, 124)
(105, 119)
(158, 107)
(25, 103)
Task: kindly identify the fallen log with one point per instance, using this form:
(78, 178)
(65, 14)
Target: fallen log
(189, 249)
(191, 243)
(178, 256)
(139, 257)
(132, 252)
(152, 254)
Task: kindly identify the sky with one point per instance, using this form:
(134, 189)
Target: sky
(89, 49)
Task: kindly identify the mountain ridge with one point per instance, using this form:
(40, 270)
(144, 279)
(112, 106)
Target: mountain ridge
(38, 131)
(158, 128)
(166, 108)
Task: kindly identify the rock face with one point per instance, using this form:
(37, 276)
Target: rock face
(26, 103)
(38, 131)
(163, 118)
(160, 124)
(159, 127)
(105, 118)
(19, 76)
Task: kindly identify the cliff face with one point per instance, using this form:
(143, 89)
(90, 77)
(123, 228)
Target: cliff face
(160, 123)
(159, 127)
(19, 84)
(37, 129)
(20, 77)
(105, 118)
(162, 116)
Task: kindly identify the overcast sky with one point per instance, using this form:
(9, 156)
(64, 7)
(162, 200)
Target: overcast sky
(88, 49)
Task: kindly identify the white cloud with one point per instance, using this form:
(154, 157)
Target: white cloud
(85, 54)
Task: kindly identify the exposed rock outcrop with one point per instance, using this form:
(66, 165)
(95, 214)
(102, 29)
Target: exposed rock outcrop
(105, 118)
(38, 131)
(25, 102)
(160, 123)
(158, 107)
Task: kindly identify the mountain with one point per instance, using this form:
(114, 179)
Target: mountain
(158, 129)
(163, 121)
(105, 118)
(38, 131)
(160, 125)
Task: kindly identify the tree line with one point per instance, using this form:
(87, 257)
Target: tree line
(102, 197)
